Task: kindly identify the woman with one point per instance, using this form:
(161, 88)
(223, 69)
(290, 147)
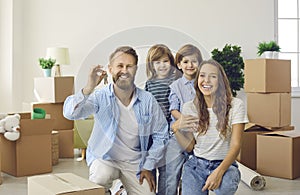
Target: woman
(211, 126)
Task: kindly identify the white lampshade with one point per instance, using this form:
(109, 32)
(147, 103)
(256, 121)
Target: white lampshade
(60, 54)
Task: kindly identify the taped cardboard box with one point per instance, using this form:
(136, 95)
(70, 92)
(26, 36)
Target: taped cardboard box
(269, 109)
(278, 154)
(55, 110)
(53, 89)
(62, 184)
(262, 75)
(31, 153)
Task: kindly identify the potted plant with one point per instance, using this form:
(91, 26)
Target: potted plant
(268, 49)
(231, 60)
(46, 65)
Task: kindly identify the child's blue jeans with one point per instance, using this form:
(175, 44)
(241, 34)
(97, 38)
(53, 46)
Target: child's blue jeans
(170, 173)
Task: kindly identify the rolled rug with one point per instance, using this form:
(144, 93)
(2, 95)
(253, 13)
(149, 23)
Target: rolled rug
(38, 113)
(253, 179)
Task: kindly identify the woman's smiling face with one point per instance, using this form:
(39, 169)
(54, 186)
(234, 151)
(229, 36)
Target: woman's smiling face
(208, 79)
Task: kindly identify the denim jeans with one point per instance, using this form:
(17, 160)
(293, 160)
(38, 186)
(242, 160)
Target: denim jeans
(196, 170)
(170, 172)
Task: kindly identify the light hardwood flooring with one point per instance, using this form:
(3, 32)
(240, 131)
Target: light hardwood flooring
(18, 185)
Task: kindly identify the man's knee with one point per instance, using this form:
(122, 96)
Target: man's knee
(101, 179)
(101, 174)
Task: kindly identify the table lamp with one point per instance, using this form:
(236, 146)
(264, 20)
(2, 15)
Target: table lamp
(61, 55)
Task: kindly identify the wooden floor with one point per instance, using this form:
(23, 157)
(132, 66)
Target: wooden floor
(18, 185)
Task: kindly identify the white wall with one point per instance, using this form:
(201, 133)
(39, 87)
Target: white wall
(6, 54)
(83, 25)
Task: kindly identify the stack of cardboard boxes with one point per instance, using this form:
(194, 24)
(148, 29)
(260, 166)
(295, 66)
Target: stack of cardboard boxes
(51, 93)
(268, 137)
(31, 153)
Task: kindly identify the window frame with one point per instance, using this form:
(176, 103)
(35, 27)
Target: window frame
(295, 90)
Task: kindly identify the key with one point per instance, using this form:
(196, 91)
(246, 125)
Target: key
(105, 79)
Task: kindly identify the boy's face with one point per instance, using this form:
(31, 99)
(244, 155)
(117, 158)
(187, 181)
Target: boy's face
(189, 66)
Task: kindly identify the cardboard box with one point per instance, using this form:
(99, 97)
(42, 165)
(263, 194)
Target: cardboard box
(31, 153)
(53, 89)
(0, 163)
(278, 154)
(55, 147)
(247, 155)
(267, 75)
(56, 112)
(269, 109)
(62, 184)
(66, 143)
(0, 155)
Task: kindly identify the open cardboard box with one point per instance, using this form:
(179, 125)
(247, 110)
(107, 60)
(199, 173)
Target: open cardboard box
(56, 112)
(278, 154)
(31, 154)
(247, 155)
(62, 184)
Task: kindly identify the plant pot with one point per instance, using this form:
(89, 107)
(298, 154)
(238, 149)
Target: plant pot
(38, 113)
(267, 54)
(47, 72)
(275, 54)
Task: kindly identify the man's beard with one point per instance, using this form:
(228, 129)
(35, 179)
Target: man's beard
(123, 84)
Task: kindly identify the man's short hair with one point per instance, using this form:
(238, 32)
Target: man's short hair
(126, 50)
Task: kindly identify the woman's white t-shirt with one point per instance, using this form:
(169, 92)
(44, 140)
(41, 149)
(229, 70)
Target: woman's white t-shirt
(212, 145)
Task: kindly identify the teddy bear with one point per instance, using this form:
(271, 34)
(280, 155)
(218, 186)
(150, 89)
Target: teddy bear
(9, 126)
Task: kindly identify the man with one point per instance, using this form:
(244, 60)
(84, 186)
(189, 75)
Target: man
(126, 118)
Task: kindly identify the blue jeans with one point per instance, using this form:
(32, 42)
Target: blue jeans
(170, 171)
(196, 170)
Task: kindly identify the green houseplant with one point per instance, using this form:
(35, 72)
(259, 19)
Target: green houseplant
(46, 65)
(264, 47)
(231, 60)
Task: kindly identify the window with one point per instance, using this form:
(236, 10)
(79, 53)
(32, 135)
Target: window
(287, 33)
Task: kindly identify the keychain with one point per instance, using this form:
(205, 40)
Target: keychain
(105, 79)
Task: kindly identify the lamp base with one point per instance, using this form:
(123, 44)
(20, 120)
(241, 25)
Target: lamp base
(57, 70)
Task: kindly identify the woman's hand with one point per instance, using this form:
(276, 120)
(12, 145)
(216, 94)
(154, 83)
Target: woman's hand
(96, 75)
(213, 181)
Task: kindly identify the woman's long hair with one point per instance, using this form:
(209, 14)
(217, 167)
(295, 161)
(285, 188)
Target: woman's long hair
(221, 105)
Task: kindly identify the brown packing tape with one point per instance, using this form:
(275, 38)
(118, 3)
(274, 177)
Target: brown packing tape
(72, 186)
